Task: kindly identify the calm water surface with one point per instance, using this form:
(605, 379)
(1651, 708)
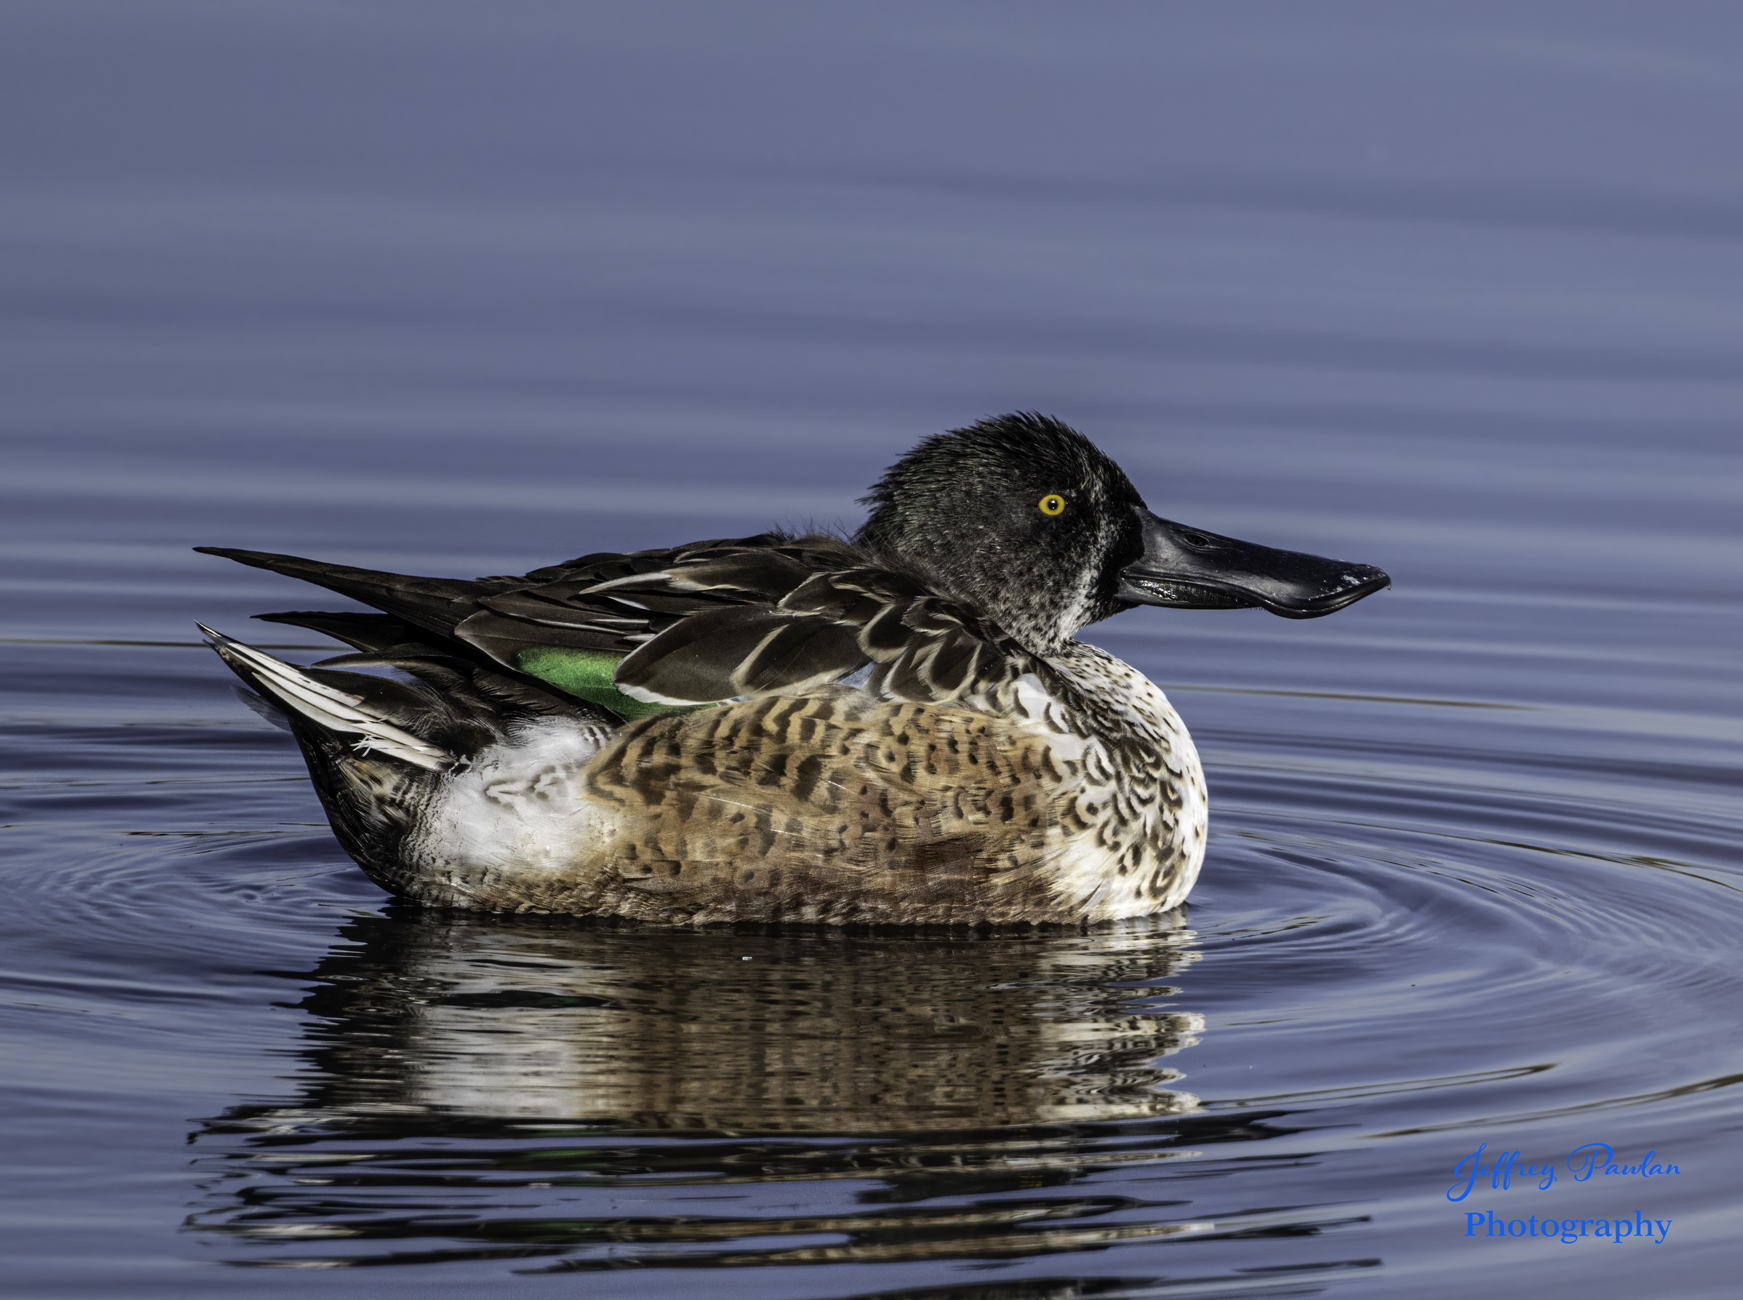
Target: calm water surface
(1455, 290)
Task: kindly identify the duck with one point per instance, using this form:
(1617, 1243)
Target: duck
(894, 728)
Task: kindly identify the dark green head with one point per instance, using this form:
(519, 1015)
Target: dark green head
(1023, 518)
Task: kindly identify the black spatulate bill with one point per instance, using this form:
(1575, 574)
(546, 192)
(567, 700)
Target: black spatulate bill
(1188, 568)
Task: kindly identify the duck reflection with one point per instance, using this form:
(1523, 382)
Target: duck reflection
(736, 1034)
(461, 1052)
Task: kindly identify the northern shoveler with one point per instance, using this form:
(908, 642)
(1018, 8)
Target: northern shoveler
(900, 728)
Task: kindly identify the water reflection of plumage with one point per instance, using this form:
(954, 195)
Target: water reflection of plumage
(821, 1032)
(481, 1088)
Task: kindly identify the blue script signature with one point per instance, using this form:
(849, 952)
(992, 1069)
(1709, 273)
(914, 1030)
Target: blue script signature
(1582, 1163)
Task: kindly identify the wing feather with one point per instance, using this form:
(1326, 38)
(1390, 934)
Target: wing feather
(697, 624)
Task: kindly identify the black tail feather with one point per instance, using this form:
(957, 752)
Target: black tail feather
(372, 633)
(433, 604)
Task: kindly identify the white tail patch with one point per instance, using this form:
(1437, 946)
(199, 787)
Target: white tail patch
(328, 707)
(516, 809)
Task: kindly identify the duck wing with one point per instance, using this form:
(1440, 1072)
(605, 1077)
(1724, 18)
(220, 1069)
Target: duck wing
(542, 631)
(828, 625)
(441, 605)
(685, 626)
(465, 679)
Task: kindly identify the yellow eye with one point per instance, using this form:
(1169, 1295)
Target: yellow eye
(1051, 504)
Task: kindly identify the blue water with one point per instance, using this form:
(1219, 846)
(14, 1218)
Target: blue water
(453, 289)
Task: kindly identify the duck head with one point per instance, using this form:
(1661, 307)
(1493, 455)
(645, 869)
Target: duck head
(1025, 519)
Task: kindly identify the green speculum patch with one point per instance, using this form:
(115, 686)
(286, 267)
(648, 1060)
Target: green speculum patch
(589, 675)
